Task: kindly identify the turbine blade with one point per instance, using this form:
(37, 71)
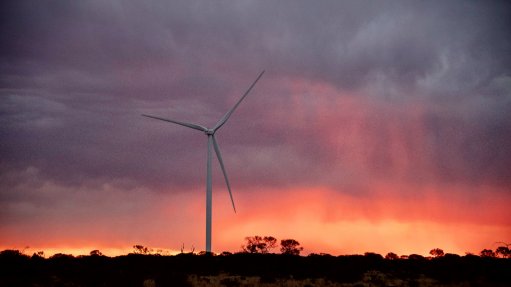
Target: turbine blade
(189, 125)
(219, 156)
(222, 121)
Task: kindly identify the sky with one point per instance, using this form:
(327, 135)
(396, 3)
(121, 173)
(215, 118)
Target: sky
(378, 126)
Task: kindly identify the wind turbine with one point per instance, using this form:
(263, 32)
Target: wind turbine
(210, 132)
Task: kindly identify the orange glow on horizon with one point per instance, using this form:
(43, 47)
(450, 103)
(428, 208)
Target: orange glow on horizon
(322, 220)
(326, 221)
(85, 250)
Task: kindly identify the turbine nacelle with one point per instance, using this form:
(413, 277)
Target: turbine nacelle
(209, 132)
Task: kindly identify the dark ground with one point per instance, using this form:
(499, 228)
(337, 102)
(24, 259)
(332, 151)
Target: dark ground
(245, 269)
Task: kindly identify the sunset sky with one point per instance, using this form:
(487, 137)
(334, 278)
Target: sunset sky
(378, 126)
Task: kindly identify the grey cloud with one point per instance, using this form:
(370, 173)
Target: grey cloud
(76, 76)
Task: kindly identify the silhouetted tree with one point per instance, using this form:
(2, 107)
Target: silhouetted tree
(25, 249)
(96, 253)
(487, 253)
(391, 256)
(290, 246)
(373, 255)
(271, 242)
(503, 251)
(437, 252)
(258, 244)
(39, 254)
(253, 245)
(140, 249)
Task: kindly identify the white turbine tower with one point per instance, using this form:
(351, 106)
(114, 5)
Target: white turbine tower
(212, 143)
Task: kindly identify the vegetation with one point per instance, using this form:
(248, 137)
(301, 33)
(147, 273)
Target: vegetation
(257, 268)
(263, 245)
(290, 247)
(258, 244)
(437, 252)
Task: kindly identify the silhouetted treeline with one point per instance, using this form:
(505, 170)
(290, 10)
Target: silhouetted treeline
(260, 244)
(135, 269)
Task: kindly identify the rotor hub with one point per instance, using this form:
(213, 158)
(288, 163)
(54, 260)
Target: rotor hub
(210, 132)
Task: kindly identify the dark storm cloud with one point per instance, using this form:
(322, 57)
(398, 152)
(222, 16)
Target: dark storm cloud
(76, 75)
